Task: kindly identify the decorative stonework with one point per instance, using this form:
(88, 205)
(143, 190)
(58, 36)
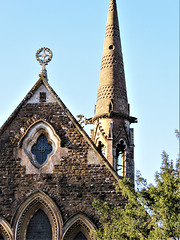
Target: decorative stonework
(38, 201)
(23, 130)
(28, 209)
(123, 132)
(4, 232)
(109, 61)
(44, 56)
(5, 229)
(111, 92)
(112, 6)
(32, 138)
(76, 224)
(112, 31)
(25, 146)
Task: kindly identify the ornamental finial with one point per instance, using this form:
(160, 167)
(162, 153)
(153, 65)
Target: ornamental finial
(44, 56)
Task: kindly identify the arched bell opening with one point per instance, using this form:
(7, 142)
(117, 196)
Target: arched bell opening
(121, 158)
(111, 106)
(101, 148)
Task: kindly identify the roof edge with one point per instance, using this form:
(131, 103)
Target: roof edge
(69, 114)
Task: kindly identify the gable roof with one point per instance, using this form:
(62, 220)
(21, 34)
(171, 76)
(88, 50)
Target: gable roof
(43, 80)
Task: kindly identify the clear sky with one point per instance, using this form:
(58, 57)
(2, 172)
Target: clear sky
(74, 31)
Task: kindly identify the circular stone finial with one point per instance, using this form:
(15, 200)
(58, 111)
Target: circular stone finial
(44, 56)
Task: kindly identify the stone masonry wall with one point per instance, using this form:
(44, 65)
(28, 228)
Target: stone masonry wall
(73, 185)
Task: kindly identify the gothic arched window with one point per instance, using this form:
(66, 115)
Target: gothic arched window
(39, 227)
(121, 158)
(41, 149)
(101, 148)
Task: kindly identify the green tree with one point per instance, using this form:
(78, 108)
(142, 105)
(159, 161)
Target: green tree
(151, 211)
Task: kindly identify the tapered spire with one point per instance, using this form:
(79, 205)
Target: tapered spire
(112, 133)
(112, 96)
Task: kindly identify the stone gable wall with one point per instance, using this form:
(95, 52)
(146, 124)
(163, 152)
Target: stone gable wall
(74, 183)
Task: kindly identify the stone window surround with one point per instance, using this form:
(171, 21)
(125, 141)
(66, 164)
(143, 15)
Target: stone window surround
(30, 138)
(78, 223)
(38, 200)
(60, 231)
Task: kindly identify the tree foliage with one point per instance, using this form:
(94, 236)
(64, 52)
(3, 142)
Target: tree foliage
(151, 212)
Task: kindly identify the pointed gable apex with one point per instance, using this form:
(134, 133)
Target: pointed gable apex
(32, 97)
(94, 156)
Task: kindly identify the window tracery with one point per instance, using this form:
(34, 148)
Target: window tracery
(38, 146)
(41, 149)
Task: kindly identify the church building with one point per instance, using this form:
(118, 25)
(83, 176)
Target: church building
(50, 169)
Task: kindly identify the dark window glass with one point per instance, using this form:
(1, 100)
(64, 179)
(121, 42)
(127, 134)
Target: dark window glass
(39, 227)
(101, 148)
(1, 237)
(41, 149)
(80, 236)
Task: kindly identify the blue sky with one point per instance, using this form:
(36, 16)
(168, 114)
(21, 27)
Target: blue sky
(74, 31)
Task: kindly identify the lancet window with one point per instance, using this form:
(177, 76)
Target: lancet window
(121, 158)
(101, 148)
(39, 227)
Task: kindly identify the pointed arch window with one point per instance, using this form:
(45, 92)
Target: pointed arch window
(39, 227)
(101, 148)
(78, 228)
(38, 219)
(121, 158)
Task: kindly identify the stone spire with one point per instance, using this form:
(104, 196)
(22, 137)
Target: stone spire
(112, 96)
(112, 133)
